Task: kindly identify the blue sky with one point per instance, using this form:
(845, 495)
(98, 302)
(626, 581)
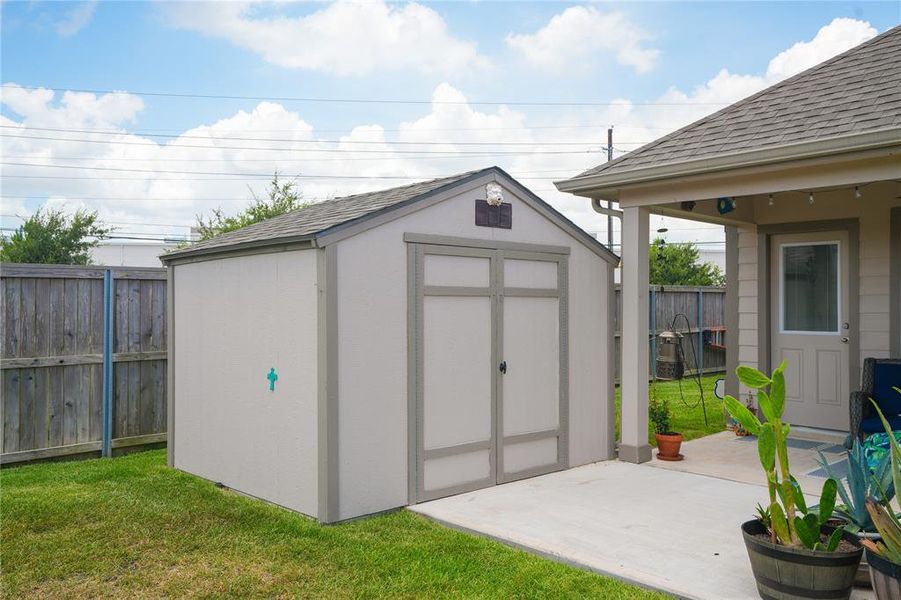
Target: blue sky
(633, 53)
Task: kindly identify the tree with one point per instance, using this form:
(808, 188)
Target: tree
(281, 198)
(680, 264)
(51, 237)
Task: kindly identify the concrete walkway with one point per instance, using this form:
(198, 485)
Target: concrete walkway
(672, 531)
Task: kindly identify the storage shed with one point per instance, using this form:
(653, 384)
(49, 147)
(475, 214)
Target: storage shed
(387, 348)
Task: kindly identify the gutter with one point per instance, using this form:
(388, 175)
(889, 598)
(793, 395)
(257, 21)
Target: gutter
(608, 183)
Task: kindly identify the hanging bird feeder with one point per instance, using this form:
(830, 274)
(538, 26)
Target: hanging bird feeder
(670, 358)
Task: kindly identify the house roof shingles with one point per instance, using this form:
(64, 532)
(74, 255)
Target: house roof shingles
(854, 92)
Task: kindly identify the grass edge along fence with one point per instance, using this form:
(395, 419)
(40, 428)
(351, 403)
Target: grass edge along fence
(83, 360)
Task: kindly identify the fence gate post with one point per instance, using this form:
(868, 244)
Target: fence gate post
(107, 405)
(700, 364)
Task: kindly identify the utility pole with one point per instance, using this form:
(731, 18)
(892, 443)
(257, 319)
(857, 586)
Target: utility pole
(609, 202)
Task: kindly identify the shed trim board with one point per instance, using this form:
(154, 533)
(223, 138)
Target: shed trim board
(238, 250)
(327, 308)
(496, 291)
(764, 274)
(170, 366)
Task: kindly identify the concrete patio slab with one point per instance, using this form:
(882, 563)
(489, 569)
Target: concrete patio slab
(672, 531)
(726, 456)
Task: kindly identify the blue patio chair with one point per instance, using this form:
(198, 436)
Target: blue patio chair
(879, 375)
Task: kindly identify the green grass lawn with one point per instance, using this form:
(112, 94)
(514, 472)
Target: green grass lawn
(688, 416)
(130, 526)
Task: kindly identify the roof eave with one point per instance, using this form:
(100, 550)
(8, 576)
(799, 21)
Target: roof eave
(190, 253)
(607, 185)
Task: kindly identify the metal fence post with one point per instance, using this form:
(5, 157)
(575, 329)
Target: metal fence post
(700, 365)
(107, 442)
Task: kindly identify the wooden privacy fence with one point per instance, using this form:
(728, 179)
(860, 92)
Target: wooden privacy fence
(84, 354)
(83, 359)
(705, 309)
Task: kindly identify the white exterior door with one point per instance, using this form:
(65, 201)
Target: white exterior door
(810, 325)
(488, 367)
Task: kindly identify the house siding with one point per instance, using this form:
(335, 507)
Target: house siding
(873, 212)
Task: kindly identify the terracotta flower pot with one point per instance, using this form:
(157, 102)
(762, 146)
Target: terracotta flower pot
(668, 445)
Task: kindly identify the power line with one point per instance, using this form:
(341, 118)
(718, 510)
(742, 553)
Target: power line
(418, 130)
(277, 149)
(272, 159)
(334, 100)
(145, 133)
(217, 173)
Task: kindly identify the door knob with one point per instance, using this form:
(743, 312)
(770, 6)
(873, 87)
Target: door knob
(503, 367)
(844, 340)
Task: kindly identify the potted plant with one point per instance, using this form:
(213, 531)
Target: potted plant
(668, 442)
(861, 483)
(794, 553)
(884, 556)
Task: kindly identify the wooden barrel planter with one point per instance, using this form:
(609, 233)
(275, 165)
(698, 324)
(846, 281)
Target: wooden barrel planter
(784, 573)
(885, 575)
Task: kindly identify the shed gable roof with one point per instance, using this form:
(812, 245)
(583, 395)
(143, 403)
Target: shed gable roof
(855, 92)
(312, 221)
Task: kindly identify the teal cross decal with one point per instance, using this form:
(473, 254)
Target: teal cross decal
(272, 377)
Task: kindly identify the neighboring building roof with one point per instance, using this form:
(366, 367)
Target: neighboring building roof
(312, 221)
(856, 92)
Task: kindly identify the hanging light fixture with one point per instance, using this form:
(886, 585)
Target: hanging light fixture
(857, 193)
(771, 201)
(810, 198)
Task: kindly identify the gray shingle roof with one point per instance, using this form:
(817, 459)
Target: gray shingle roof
(316, 218)
(854, 92)
(310, 221)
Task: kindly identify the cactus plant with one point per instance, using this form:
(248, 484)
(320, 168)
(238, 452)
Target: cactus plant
(862, 483)
(790, 521)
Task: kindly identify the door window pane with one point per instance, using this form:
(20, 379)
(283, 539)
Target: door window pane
(810, 289)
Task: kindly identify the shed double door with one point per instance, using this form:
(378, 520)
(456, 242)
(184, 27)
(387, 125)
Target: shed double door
(489, 343)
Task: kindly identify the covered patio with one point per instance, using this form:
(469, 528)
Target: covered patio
(666, 530)
(806, 178)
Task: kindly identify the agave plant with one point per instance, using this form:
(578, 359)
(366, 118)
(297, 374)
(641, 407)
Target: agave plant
(862, 483)
(884, 518)
(791, 523)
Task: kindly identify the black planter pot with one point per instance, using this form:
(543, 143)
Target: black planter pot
(784, 573)
(886, 577)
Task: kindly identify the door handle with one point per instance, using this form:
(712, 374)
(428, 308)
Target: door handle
(503, 367)
(844, 340)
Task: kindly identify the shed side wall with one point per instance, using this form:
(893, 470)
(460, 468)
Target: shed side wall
(235, 319)
(372, 357)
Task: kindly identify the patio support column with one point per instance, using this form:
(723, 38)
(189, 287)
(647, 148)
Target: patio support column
(731, 310)
(634, 446)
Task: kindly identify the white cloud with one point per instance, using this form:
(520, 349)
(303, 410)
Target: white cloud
(450, 120)
(344, 38)
(583, 33)
(836, 37)
(76, 19)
